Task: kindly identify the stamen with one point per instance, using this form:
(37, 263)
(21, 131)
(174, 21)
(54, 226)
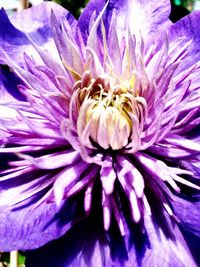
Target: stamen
(106, 112)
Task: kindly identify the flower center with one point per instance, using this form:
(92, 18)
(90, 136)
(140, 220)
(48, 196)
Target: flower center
(106, 112)
(110, 124)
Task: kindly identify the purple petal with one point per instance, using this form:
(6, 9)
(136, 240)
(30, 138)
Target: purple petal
(8, 85)
(188, 212)
(17, 37)
(145, 17)
(69, 50)
(30, 228)
(86, 245)
(104, 213)
(187, 29)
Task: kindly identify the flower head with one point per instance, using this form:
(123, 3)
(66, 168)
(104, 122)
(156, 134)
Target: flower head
(99, 125)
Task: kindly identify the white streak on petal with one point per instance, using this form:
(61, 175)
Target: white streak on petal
(51, 161)
(146, 205)
(134, 206)
(133, 176)
(159, 169)
(82, 183)
(106, 210)
(108, 177)
(118, 217)
(137, 182)
(8, 113)
(88, 197)
(16, 173)
(185, 182)
(65, 178)
(168, 209)
(20, 149)
(184, 143)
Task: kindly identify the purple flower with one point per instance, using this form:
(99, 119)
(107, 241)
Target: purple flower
(99, 135)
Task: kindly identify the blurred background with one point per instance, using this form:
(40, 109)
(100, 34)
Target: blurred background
(180, 8)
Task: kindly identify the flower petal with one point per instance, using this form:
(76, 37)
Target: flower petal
(145, 17)
(17, 37)
(85, 245)
(188, 212)
(30, 228)
(8, 85)
(187, 30)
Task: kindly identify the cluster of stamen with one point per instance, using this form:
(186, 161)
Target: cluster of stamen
(105, 112)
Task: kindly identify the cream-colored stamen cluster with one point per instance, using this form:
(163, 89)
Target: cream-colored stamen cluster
(105, 112)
